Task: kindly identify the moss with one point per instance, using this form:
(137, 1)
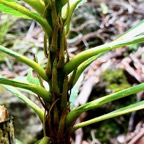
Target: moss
(106, 130)
(112, 80)
(115, 80)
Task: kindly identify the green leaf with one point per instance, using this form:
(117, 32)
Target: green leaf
(25, 60)
(67, 11)
(119, 112)
(101, 101)
(45, 140)
(18, 142)
(37, 5)
(12, 0)
(134, 31)
(18, 94)
(84, 65)
(132, 36)
(85, 55)
(74, 91)
(64, 2)
(69, 8)
(40, 91)
(81, 3)
(32, 79)
(8, 10)
(33, 15)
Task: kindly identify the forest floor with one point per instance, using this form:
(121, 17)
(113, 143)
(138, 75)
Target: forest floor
(93, 24)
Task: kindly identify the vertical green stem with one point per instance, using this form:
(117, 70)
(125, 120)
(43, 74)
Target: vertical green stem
(64, 93)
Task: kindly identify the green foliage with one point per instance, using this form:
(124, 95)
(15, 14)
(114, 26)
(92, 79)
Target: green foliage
(32, 79)
(133, 32)
(18, 94)
(5, 25)
(18, 142)
(24, 11)
(61, 73)
(133, 47)
(105, 130)
(74, 92)
(11, 11)
(40, 91)
(25, 60)
(121, 111)
(37, 5)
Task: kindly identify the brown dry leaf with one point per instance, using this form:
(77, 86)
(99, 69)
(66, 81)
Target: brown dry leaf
(3, 113)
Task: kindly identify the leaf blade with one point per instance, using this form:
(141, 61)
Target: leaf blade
(121, 111)
(85, 55)
(32, 79)
(22, 97)
(8, 10)
(103, 100)
(134, 31)
(25, 60)
(40, 91)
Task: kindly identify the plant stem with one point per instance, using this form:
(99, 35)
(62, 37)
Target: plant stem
(80, 58)
(103, 100)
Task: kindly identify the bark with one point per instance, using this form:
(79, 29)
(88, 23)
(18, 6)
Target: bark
(6, 127)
